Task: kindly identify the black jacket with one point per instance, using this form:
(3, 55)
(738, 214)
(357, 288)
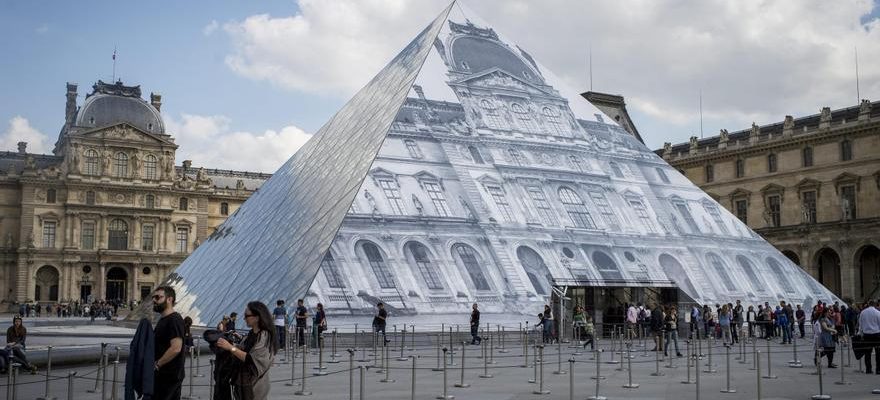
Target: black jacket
(140, 366)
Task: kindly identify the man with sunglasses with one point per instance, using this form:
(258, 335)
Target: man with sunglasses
(168, 335)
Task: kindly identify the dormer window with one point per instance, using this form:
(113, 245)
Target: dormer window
(465, 66)
(91, 120)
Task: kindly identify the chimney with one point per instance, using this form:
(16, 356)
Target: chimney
(22, 147)
(156, 101)
(419, 91)
(70, 108)
(187, 164)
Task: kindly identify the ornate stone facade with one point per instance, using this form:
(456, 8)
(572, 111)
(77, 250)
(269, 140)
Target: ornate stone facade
(108, 215)
(810, 186)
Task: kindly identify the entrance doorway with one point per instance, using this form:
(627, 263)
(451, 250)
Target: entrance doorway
(117, 280)
(829, 269)
(869, 268)
(85, 293)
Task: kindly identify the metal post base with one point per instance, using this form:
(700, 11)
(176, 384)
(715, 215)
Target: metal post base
(545, 391)
(447, 397)
(795, 364)
(631, 385)
(302, 393)
(728, 391)
(462, 385)
(821, 397)
(597, 398)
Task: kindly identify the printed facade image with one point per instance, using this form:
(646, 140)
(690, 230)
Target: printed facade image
(494, 185)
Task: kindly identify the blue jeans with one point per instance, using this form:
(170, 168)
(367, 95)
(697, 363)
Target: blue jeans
(786, 333)
(281, 333)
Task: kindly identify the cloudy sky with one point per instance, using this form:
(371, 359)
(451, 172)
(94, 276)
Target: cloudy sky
(245, 83)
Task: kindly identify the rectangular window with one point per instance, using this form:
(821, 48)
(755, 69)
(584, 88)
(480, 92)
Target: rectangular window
(846, 153)
(848, 201)
(808, 156)
(435, 192)
(771, 163)
(90, 198)
(183, 205)
(392, 193)
(606, 210)
(740, 168)
(809, 203)
(50, 196)
(643, 214)
(413, 148)
(710, 173)
(503, 206)
(182, 239)
(541, 205)
(331, 272)
(662, 174)
(716, 216)
(49, 234)
(88, 235)
(147, 238)
(742, 210)
(686, 214)
(774, 210)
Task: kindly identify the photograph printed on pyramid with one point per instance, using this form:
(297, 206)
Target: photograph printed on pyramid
(465, 172)
(495, 184)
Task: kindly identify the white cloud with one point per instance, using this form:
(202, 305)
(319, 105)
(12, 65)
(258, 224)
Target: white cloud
(20, 130)
(208, 141)
(752, 60)
(212, 27)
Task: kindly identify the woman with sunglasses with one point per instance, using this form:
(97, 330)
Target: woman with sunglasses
(256, 353)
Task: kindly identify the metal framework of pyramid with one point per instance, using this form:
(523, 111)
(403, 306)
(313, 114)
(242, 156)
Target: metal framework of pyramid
(466, 172)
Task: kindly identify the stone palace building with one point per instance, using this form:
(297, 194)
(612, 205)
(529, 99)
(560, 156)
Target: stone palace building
(809, 185)
(108, 214)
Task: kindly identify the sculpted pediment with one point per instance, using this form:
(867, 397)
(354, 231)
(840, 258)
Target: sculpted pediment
(500, 79)
(124, 131)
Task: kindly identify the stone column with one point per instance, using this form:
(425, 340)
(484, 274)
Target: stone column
(136, 234)
(100, 282)
(848, 273)
(100, 233)
(135, 289)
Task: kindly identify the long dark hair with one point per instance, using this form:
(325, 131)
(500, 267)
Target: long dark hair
(264, 322)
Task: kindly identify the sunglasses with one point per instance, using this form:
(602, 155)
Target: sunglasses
(246, 315)
(158, 297)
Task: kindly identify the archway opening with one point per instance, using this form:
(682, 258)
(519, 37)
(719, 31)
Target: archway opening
(675, 272)
(117, 282)
(535, 268)
(792, 256)
(868, 262)
(46, 284)
(829, 269)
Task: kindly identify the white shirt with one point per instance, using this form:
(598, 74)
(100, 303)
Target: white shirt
(869, 321)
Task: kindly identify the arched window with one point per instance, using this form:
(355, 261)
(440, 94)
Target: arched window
(608, 269)
(516, 157)
(491, 117)
(676, 272)
(419, 256)
(577, 164)
(475, 155)
(468, 257)
(120, 162)
(91, 158)
(118, 235)
(535, 268)
(846, 153)
(377, 264)
(552, 117)
(150, 201)
(524, 120)
(183, 204)
(576, 209)
(771, 162)
(749, 269)
(224, 208)
(331, 272)
(721, 269)
(807, 156)
(150, 167)
(780, 275)
(615, 169)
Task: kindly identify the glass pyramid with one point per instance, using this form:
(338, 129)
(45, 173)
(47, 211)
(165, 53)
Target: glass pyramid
(467, 172)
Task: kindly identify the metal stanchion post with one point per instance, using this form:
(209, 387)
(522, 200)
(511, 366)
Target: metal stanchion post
(319, 370)
(571, 379)
(697, 373)
(742, 351)
(691, 358)
(402, 345)
(189, 395)
(350, 373)
(843, 380)
(612, 360)
(412, 394)
(598, 377)
(211, 381)
(657, 364)
(10, 380)
(486, 373)
(439, 368)
(758, 372)
(104, 377)
(728, 389)
(769, 365)
(114, 387)
(629, 369)
(491, 352)
(710, 366)
(412, 337)
(461, 383)
(503, 348)
(559, 370)
(541, 389)
(754, 354)
(525, 343)
(387, 365)
(292, 364)
(375, 353)
(47, 395)
(363, 383)
(821, 395)
(302, 391)
(333, 353)
(100, 369)
(445, 395)
(198, 358)
(795, 363)
(70, 376)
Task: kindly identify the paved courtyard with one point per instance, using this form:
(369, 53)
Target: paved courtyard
(509, 378)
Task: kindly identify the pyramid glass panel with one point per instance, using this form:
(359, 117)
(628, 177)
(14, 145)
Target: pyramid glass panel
(467, 172)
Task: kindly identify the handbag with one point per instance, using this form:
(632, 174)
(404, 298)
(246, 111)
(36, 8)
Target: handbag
(826, 340)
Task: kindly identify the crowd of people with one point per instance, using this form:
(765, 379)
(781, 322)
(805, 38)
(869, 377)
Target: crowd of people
(95, 309)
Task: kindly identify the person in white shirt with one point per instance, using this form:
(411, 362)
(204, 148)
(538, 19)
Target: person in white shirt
(869, 328)
(632, 318)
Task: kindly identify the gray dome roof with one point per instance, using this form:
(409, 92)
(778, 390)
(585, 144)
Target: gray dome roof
(102, 109)
(477, 54)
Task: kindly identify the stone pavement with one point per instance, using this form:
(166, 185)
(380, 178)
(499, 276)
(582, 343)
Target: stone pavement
(509, 379)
